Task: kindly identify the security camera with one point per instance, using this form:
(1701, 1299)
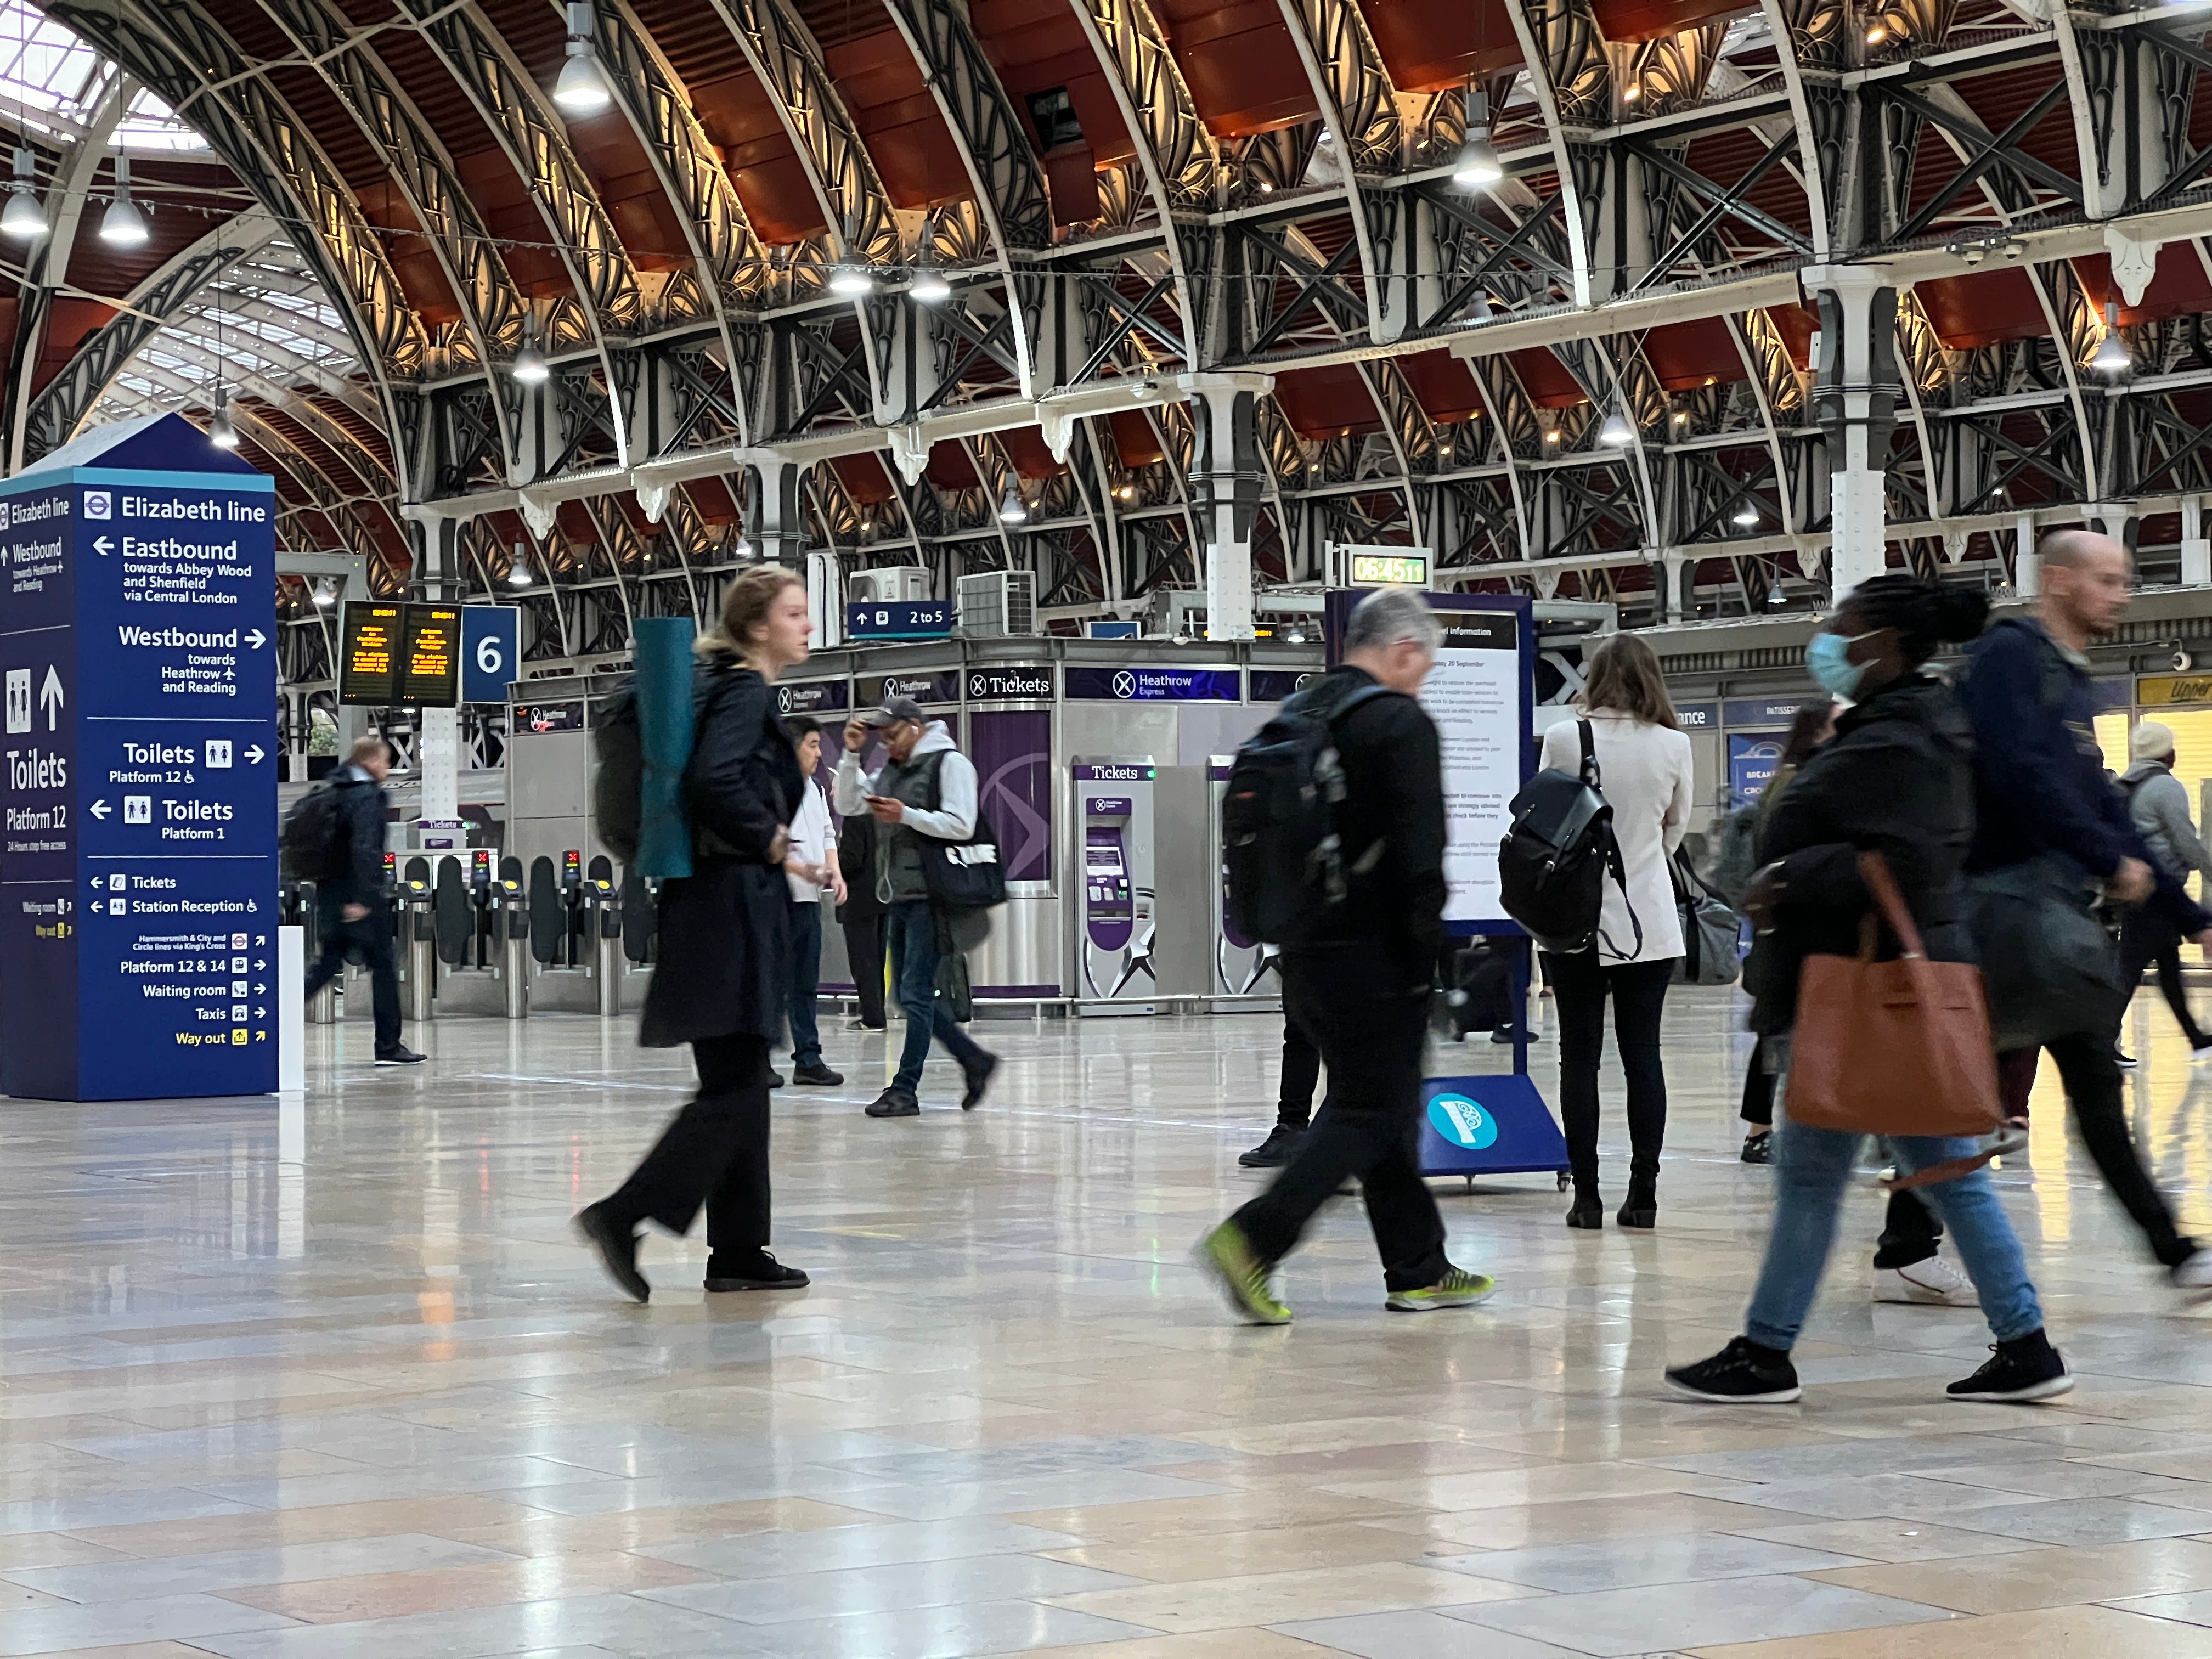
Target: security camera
(1972, 253)
(2182, 662)
(2013, 250)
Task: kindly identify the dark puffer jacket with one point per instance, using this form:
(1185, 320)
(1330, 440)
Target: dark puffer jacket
(1898, 779)
(725, 963)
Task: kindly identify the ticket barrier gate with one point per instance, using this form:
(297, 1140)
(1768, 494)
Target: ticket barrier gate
(483, 928)
(575, 936)
(301, 911)
(415, 932)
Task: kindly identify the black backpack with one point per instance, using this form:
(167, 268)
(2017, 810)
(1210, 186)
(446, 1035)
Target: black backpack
(316, 840)
(962, 876)
(1553, 862)
(1285, 863)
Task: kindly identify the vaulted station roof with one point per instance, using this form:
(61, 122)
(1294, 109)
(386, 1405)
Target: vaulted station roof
(366, 212)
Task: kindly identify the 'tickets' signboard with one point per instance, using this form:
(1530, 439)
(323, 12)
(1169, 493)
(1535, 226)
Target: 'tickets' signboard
(138, 865)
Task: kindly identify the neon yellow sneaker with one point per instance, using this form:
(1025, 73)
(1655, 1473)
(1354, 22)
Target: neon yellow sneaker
(1458, 1288)
(1227, 1255)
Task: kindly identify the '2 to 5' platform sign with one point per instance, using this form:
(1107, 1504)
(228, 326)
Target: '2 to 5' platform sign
(138, 859)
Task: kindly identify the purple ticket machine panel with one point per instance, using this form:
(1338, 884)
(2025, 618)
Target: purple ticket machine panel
(1114, 923)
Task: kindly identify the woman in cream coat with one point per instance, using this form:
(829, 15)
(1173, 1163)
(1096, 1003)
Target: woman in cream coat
(1643, 768)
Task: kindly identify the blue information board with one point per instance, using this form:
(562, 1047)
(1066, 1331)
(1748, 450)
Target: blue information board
(1156, 684)
(138, 867)
(900, 619)
(491, 646)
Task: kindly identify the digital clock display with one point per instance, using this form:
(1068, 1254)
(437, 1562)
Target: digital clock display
(1390, 570)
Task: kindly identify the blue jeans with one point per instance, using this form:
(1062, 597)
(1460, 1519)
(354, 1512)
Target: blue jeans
(1811, 1167)
(910, 933)
(805, 979)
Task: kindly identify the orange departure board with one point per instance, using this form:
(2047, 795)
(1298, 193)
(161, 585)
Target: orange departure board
(430, 675)
(369, 647)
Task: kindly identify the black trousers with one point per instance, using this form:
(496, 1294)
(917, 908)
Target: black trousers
(1757, 1109)
(371, 937)
(1911, 1232)
(2090, 1071)
(1368, 1026)
(864, 950)
(714, 1152)
(2146, 938)
(1301, 1076)
(1639, 989)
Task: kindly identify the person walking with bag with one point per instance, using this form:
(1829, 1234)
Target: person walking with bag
(1359, 985)
(810, 866)
(1896, 782)
(1643, 771)
(2049, 826)
(926, 787)
(2149, 933)
(723, 982)
(1812, 725)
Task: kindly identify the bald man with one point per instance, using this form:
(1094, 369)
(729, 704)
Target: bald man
(2041, 794)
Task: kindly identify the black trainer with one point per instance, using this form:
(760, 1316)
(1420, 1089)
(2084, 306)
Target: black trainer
(617, 1246)
(1744, 1373)
(1281, 1147)
(894, 1102)
(816, 1076)
(2027, 1367)
(400, 1055)
(979, 1080)
(775, 1079)
(762, 1273)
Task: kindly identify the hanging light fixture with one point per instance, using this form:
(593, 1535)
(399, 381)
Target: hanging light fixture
(1616, 433)
(1478, 309)
(222, 431)
(24, 218)
(326, 596)
(582, 88)
(928, 285)
(1012, 509)
(2111, 356)
(851, 281)
(1748, 514)
(1478, 167)
(122, 225)
(1775, 596)
(531, 367)
(744, 545)
(518, 567)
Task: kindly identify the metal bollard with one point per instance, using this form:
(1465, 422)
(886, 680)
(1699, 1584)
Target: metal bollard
(420, 934)
(301, 908)
(603, 919)
(515, 950)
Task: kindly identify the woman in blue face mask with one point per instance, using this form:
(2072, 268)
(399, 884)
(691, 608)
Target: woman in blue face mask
(1896, 779)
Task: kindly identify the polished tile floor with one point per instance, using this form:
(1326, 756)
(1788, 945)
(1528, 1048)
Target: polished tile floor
(336, 1382)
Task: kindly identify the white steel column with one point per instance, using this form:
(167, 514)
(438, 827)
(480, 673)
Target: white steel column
(776, 522)
(1856, 389)
(2196, 550)
(1227, 480)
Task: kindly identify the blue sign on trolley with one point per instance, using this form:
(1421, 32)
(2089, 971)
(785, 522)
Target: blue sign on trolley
(138, 867)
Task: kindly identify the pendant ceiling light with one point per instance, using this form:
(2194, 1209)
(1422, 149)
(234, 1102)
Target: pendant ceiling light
(1478, 167)
(2111, 356)
(1012, 509)
(122, 225)
(582, 88)
(24, 218)
(222, 431)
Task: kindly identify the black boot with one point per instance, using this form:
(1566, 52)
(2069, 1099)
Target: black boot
(1641, 1207)
(1588, 1211)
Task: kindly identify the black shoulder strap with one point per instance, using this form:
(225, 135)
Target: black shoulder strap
(937, 780)
(1590, 774)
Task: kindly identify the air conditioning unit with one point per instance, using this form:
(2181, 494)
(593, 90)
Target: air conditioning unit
(891, 583)
(999, 604)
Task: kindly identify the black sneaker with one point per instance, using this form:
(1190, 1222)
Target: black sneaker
(979, 1080)
(1741, 1374)
(617, 1246)
(400, 1055)
(763, 1272)
(894, 1102)
(2027, 1367)
(1758, 1148)
(1281, 1147)
(816, 1076)
(775, 1079)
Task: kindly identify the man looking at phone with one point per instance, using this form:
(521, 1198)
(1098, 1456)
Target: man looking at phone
(925, 787)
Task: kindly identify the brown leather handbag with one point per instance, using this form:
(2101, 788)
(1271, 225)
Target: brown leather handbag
(1896, 1047)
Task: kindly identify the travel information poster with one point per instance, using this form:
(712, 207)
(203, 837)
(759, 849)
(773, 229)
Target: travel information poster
(138, 866)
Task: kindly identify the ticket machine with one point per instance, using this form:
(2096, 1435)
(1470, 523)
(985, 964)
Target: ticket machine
(1114, 922)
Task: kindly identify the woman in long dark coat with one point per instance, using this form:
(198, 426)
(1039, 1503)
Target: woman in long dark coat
(724, 970)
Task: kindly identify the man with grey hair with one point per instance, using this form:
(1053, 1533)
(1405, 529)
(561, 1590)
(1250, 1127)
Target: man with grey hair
(1359, 989)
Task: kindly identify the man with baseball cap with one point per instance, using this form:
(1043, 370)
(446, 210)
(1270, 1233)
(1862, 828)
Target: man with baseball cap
(925, 787)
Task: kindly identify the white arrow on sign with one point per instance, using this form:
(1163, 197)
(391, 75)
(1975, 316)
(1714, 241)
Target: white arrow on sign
(260, 990)
(99, 907)
(254, 753)
(259, 962)
(256, 638)
(99, 809)
(104, 545)
(50, 695)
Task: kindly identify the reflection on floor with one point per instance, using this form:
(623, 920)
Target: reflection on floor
(344, 1387)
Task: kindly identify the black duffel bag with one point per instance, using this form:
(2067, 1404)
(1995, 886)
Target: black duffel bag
(2050, 968)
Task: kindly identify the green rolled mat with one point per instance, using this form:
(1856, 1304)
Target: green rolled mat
(666, 725)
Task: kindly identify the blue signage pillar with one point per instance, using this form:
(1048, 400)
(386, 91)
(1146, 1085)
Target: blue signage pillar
(138, 867)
